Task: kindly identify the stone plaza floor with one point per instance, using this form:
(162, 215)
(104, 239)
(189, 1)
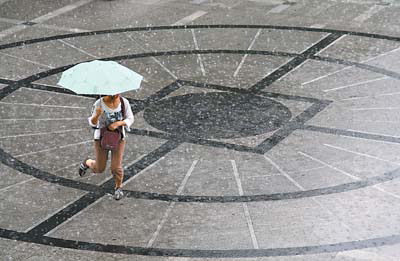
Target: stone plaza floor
(264, 130)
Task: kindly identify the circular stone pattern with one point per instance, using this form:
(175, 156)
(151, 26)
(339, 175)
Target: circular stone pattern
(98, 191)
(217, 115)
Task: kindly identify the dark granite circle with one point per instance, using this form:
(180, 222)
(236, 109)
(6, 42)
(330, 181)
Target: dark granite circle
(217, 115)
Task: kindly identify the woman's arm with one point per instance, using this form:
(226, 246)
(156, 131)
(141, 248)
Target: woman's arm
(96, 113)
(129, 119)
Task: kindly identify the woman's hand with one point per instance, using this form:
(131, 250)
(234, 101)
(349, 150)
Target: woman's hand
(99, 111)
(114, 125)
(96, 116)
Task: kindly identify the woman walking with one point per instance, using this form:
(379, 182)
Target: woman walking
(114, 113)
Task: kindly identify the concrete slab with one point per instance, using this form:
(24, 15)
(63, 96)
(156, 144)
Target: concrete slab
(30, 203)
(11, 178)
(359, 49)
(304, 219)
(30, 32)
(205, 227)
(124, 14)
(30, 10)
(14, 71)
(128, 223)
(4, 26)
(41, 54)
(359, 212)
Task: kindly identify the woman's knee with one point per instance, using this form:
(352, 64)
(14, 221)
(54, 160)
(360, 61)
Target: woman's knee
(117, 170)
(99, 170)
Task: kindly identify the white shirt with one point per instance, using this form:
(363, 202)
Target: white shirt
(109, 111)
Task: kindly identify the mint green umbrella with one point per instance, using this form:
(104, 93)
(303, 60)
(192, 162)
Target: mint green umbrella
(100, 77)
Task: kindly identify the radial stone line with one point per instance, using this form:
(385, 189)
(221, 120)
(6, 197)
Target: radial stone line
(295, 62)
(353, 134)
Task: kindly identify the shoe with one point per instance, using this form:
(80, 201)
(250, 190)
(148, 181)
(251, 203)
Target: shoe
(83, 168)
(118, 194)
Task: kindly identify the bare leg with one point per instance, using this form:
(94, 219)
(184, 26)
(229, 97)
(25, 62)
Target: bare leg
(98, 165)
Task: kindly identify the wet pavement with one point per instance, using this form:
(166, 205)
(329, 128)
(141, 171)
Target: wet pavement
(264, 130)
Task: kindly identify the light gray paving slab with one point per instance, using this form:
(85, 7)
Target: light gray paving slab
(376, 121)
(388, 62)
(320, 83)
(26, 145)
(56, 157)
(310, 8)
(21, 126)
(238, 39)
(10, 178)
(27, 205)
(358, 157)
(184, 67)
(212, 178)
(387, 15)
(221, 69)
(267, 185)
(322, 177)
(29, 111)
(51, 80)
(96, 15)
(30, 10)
(49, 54)
(250, 15)
(202, 226)
(129, 222)
(29, 103)
(359, 49)
(391, 186)
(30, 32)
(41, 97)
(103, 45)
(386, 152)
(304, 223)
(163, 177)
(250, 165)
(384, 100)
(359, 211)
(373, 90)
(12, 69)
(4, 26)
(286, 40)
(256, 67)
(164, 40)
(348, 12)
(300, 80)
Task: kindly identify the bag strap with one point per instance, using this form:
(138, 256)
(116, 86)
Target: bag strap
(122, 106)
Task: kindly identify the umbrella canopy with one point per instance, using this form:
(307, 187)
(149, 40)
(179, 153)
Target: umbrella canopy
(101, 78)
